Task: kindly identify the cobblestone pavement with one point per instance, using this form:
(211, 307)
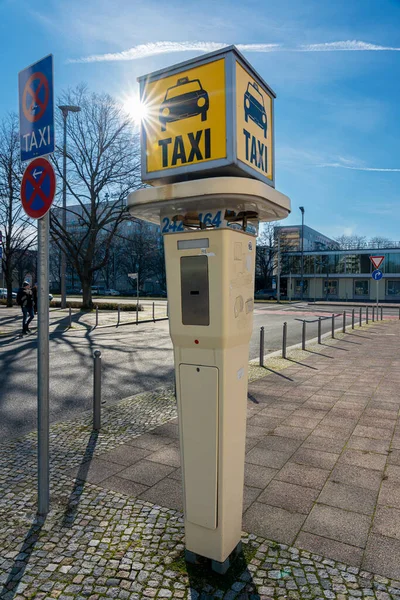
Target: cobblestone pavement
(99, 543)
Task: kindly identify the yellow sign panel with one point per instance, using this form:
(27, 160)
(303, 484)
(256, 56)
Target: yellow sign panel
(185, 122)
(254, 135)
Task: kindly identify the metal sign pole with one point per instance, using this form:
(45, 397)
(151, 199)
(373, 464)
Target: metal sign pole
(377, 295)
(43, 366)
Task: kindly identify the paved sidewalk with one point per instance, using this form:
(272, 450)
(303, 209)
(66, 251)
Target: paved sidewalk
(322, 489)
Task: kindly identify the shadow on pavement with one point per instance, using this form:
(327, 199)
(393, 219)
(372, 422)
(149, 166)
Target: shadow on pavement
(9, 589)
(80, 480)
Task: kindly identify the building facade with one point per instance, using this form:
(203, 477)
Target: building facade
(341, 275)
(290, 239)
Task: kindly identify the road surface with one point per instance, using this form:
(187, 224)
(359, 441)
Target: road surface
(135, 359)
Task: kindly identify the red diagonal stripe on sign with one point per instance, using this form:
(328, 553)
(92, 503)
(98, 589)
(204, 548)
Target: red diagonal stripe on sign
(37, 191)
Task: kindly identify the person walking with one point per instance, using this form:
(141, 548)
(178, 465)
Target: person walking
(25, 301)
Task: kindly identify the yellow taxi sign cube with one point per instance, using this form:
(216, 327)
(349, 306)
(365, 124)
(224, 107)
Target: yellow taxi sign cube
(209, 116)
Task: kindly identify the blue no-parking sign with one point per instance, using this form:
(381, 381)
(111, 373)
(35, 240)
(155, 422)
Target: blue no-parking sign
(36, 109)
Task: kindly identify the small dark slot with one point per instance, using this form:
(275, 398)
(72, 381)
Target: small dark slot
(192, 293)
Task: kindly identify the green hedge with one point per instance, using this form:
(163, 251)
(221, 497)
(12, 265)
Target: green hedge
(101, 305)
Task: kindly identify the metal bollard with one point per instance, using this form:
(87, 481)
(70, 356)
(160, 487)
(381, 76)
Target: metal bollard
(303, 336)
(70, 315)
(119, 315)
(261, 346)
(360, 316)
(319, 330)
(333, 326)
(97, 390)
(344, 321)
(284, 336)
(381, 313)
(154, 314)
(366, 315)
(137, 313)
(373, 314)
(352, 319)
(97, 315)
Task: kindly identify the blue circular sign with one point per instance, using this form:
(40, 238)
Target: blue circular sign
(377, 274)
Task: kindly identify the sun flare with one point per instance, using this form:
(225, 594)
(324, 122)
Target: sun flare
(135, 109)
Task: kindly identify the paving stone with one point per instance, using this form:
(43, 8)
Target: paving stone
(149, 441)
(272, 522)
(267, 458)
(125, 455)
(250, 494)
(123, 486)
(297, 433)
(303, 475)
(146, 472)
(324, 444)
(357, 476)
(258, 476)
(315, 458)
(170, 455)
(348, 497)
(95, 471)
(279, 444)
(167, 492)
(337, 524)
(360, 443)
(389, 494)
(372, 432)
(293, 498)
(382, 556)
(363, 458)
(387, 522)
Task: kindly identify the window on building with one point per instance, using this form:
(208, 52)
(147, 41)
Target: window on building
(392, 263)
(361, 287)
(297, 287)
(331, 287)
(393, 288)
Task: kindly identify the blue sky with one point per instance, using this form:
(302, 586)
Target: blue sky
(335, 67)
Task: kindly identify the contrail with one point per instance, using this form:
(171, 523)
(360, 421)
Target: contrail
(339, 166)
(154, 48)
(348, 46)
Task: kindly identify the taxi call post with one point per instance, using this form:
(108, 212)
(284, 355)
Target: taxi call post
(210, 266)
(208, 149)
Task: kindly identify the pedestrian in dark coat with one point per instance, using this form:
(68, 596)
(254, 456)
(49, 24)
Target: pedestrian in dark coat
(25, 301)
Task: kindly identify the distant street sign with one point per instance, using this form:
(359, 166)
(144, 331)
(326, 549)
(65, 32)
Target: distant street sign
(377, 275)
(132, 275)
(36, 109)
(377, 261)
(38, 187)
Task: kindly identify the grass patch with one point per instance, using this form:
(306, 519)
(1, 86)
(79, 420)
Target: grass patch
(201, 575)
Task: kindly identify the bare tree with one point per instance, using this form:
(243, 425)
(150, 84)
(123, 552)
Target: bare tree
(140, 249)
(19, 234)
(103, 167)
(266, 254)
(381, 242)
(351, 242)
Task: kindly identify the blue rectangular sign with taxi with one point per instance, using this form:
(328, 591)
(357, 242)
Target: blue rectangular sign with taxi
(36, 109)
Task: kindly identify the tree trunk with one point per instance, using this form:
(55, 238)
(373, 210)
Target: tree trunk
(9, 281)
(86, 293)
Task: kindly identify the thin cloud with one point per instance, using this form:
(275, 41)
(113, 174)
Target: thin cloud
(154, 48)
(340, 166)
(347, 46)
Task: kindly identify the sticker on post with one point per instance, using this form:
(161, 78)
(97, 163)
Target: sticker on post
(240, 373)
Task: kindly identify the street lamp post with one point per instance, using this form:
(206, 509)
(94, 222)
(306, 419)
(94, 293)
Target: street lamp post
(302, 253)
(65, 109)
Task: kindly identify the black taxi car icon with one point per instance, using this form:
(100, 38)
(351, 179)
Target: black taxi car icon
(186, 99)
(254, 107)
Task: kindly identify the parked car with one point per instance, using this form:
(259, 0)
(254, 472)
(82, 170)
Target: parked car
(3, 294)
(111, 292)
(50, 297)
(266, 294)
(97, 290)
